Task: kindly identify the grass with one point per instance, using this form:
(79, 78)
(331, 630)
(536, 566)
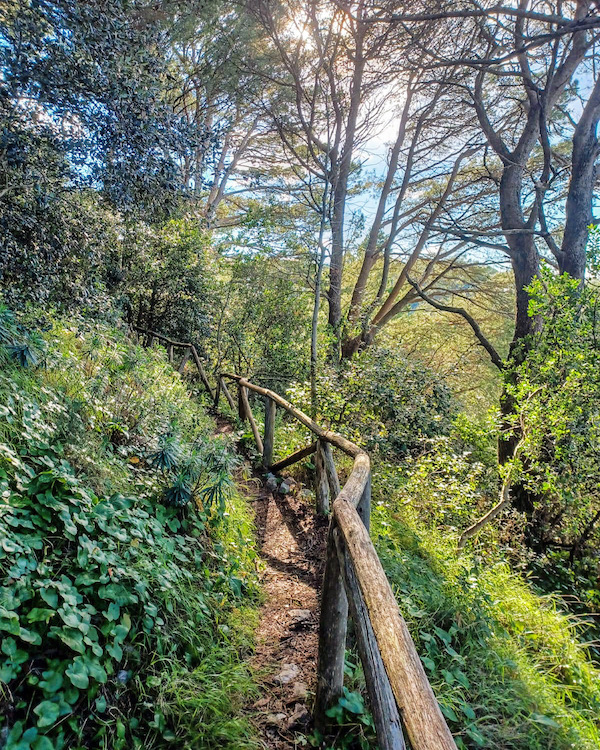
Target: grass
(506, 663)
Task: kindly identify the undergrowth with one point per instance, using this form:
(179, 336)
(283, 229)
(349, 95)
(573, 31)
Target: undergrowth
(120, 611)
(506, 663)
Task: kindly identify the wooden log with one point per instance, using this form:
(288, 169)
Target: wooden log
(364, 505)
(332, 477)
(332, 637)
(253, 425)
(383, 704)
(202, 372)
(242, 414)
(269, 441)
(294, 457)
(321, 482)
(186, 356)
(160, 337)
(334, 438)
(419, 710)
(227, 395)
(170, 352)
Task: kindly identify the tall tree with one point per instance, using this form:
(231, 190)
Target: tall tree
(84, 115)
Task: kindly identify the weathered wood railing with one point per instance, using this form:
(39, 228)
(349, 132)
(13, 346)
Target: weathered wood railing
(400, 694)
(189, 350)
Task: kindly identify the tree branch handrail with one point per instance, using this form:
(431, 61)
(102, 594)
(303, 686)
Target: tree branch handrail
(403, 679)
(162, 337)
(190, 349)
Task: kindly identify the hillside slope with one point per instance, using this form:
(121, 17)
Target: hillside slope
(127, 602)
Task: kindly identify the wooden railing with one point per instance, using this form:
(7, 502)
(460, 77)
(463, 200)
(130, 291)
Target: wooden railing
(354, 582)
(189, 350)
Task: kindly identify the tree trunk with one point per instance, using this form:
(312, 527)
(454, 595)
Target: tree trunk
(340, 192)
(579, 216)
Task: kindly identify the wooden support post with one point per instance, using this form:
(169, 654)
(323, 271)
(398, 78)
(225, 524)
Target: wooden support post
(217, 394)
(227, 394)
(186, 356)
(170, 353)
(321, 481)
(383, 704)
(364, 505)
(242, 414)
(202, 372)
(332, 477)
(253, 425)
(270, 414)
(332, 637)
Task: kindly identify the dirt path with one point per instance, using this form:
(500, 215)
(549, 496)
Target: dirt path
(291, 542)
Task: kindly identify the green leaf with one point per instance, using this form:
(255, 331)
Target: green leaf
(449, 713)
(467, 711)
(476, 736)
(462, 678)
(95, 669)
(50, 596)
(429, 663)
(545, 720)
(113, 611)
(48, 713)
(78, 674)
(52, 681)
(38, 614)
(72, 638)
(29, 636)
(352, 702)
(42, 743)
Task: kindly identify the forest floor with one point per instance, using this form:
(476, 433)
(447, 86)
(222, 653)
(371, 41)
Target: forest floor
(291, 543)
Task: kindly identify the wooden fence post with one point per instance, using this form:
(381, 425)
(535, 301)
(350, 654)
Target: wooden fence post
(383, 704)
(330, 470)
(186, 356)
(170, 353)
(270, 414)
(242, 414)
(321, 481)
(228, 395)
(201, 371)
(364, 505)
(217, 394)
(250, 416)
(332, 637)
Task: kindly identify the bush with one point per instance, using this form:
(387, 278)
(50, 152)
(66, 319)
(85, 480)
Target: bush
(557, 396)
(383, 402)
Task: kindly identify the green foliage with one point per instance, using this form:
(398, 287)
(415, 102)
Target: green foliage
(383, 402)
(201, 472)
(557, 396)
(505, 664)
(111, 602)
(264, 328)
(163, 278)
